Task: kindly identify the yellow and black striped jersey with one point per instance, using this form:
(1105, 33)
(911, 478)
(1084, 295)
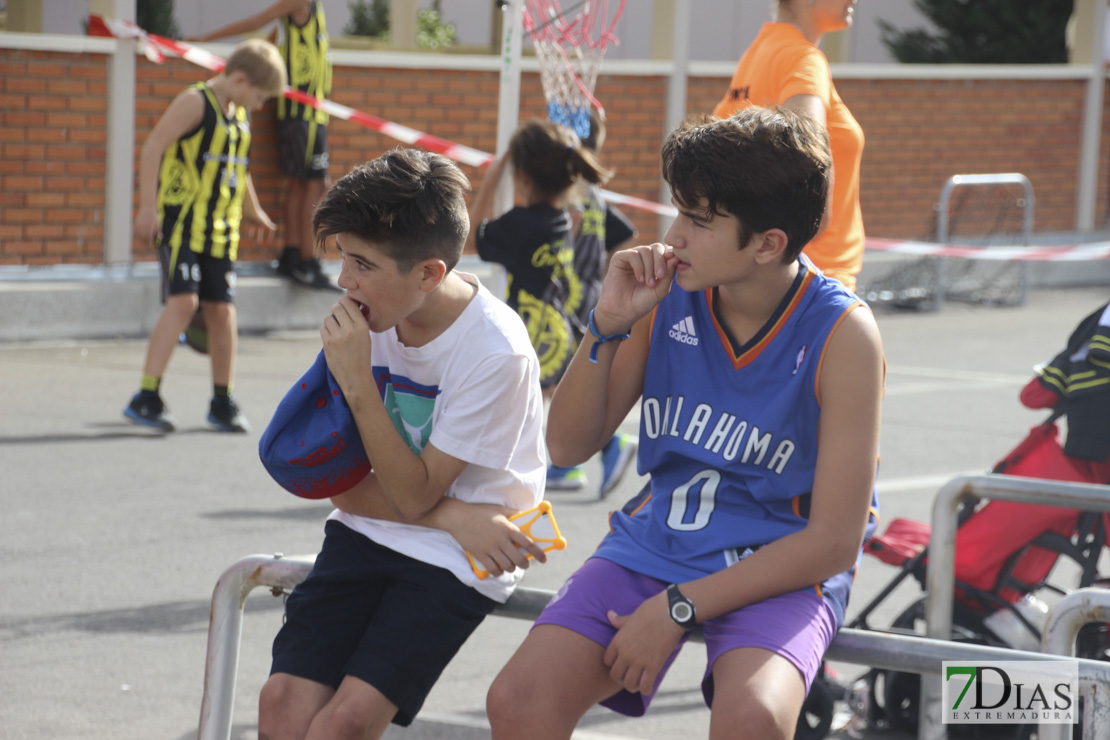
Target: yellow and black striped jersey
(202, 181)
(305, 50)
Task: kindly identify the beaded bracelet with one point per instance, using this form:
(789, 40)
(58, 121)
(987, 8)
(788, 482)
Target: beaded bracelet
(601, 339)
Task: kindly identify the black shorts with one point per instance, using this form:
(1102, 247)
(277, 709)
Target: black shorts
(211, 278)
(370, 612)
(304, 148)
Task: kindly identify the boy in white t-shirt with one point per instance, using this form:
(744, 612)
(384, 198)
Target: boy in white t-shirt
(443, 383)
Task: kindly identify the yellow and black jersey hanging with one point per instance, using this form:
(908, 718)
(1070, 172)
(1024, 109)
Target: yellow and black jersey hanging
(305, 50)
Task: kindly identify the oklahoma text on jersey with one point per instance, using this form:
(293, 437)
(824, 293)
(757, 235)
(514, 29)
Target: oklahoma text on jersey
(727, 438)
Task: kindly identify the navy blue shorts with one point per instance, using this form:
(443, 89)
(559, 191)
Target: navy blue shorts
(370, 612)
(303, 148)
(186, 271)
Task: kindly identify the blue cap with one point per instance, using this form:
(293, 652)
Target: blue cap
(311, 446)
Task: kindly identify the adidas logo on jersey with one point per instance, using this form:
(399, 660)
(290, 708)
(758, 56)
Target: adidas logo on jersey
(684, 332)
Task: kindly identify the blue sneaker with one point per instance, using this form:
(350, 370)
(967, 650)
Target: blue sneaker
(149, 411)
(565, 479)
(224, 415)
(615, 459)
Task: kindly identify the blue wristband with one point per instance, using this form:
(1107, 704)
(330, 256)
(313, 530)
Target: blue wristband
(601, 339)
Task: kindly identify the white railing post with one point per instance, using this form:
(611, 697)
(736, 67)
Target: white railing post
(119, 152)
(1069, 615)
(225, 629)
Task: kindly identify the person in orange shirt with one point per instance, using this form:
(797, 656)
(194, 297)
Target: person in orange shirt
(784, 66)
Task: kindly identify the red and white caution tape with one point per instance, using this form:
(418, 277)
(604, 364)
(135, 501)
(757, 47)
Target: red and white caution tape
(1063, 253)
(457, 152)
(643, 205)
(154, 45)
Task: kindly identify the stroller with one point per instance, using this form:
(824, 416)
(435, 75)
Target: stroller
(1007, 552)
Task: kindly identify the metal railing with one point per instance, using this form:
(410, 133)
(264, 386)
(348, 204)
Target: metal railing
(943, 226)
(940, 575)
(926, 282)
(908, 653)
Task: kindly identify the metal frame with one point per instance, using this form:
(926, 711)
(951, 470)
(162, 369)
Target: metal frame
(923, 655)
(957, 181)
(940, 575)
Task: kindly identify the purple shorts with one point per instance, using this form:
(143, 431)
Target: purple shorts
(798, 625)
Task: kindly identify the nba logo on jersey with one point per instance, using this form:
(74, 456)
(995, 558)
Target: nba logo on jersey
(684, 332)
(798, 360)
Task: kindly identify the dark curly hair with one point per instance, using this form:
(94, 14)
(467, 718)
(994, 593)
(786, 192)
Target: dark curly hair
(768, 167)
(409, 203)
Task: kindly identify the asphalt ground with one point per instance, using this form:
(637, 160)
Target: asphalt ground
(112, 536)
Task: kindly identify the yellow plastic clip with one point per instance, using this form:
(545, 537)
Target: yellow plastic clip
(540, 526)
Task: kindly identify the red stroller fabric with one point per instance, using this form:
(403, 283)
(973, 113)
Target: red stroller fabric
(981, 552)
(903, 539)
(998, 530)
(1039, 455)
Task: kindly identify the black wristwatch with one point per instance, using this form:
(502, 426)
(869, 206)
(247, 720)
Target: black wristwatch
(681, 609)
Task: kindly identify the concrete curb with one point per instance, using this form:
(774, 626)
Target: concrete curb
(91, 302)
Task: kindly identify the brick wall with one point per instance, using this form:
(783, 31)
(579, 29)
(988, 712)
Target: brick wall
(52, 146)
(53, 112)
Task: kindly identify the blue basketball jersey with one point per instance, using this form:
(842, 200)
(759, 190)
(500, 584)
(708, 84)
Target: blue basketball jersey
(728, 435)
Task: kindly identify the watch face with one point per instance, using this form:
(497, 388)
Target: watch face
(681, 612)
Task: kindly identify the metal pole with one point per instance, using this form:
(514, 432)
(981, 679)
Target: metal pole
(676, 91)
(942, 238)
(1087, 187)
(508, 95)
(1079, 608)
(508, 112)
(1002, 178)
(225, 629)
(119, 152)
(940, 575)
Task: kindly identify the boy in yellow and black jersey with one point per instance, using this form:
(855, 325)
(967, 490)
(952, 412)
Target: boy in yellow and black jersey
(302, 129)
(195, 191)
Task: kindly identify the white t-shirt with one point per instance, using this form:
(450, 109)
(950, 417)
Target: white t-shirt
(474, 393)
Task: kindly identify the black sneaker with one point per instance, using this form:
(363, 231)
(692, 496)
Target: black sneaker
(287, 261)
(224, 415)
(148, 410)
(310, 274)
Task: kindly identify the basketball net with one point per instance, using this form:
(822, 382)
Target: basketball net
(569, 51)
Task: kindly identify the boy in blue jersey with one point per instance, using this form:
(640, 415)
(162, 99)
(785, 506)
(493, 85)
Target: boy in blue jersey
(759, 433)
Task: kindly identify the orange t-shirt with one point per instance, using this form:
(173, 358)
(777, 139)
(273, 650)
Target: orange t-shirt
(780, 64)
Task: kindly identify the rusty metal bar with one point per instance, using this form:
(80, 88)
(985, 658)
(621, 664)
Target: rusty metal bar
(225, 628)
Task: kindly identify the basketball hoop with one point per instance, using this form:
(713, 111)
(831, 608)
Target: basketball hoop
(569, 51)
